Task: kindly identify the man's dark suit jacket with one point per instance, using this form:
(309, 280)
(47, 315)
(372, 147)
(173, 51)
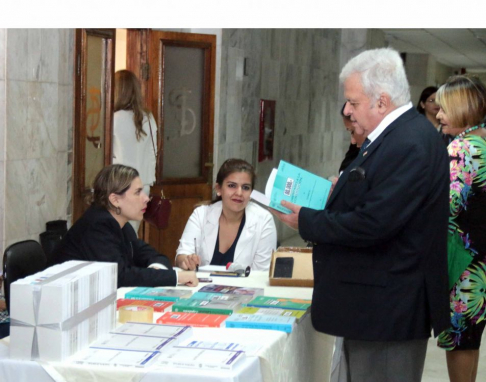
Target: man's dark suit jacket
(380, 259)
(97, 236)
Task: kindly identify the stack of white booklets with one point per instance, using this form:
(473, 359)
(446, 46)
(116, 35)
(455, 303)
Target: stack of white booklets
(61, 310)
(200, 358)
(133, 345)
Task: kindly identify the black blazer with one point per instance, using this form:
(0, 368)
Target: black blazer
(97, 236)
(380, 259)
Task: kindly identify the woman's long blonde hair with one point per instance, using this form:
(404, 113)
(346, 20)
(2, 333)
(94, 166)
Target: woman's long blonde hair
(128, 96)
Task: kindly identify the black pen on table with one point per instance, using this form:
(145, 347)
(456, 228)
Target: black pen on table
(195, 252)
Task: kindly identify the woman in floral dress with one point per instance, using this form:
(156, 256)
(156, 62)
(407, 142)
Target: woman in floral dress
(462, 102)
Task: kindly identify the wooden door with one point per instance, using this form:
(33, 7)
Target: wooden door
(181, 94)
(93, 110)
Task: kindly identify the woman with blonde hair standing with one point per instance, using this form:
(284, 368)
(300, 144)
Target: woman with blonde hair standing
(462, 102)
(134, 131)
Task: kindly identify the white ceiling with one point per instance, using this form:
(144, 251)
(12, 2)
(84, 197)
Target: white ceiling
(458, 48)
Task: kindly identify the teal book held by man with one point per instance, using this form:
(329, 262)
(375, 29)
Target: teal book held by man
(295, 185)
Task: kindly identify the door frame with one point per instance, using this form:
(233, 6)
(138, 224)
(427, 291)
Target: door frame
(81, 191)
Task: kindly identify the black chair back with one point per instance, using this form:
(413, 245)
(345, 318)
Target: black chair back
(20, 260)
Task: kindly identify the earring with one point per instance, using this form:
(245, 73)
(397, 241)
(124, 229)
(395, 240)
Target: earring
(219, 194)
(118, 210)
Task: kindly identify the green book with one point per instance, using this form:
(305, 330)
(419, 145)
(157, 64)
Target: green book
(206, 306)
(298, 314)
(280, 302)
(164, 294)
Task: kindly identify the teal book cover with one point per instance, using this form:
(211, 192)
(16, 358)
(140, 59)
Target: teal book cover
(164, 294)
(295, 185)
(298, 186)
(261, 321)
(206, 306)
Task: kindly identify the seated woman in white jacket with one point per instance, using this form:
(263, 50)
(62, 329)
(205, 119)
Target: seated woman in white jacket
(231, 228)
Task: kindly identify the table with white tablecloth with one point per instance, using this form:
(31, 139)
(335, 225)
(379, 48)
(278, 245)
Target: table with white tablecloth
(303, 355)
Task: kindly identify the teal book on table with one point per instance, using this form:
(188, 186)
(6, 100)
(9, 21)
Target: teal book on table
(295, 185)
(262, 321)
(164, 294)
(206, 306)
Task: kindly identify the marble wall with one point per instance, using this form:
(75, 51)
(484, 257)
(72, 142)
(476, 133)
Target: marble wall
(299, 69)
(3, 120)
(38, 130)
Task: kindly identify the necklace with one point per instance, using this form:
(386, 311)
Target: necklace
(468, 130)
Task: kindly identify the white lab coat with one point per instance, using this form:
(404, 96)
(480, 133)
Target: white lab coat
(257, 240)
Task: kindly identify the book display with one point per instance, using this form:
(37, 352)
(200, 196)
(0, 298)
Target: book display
(187, 346)
(61, 310)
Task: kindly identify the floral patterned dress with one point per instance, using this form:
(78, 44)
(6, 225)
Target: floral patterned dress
(467, 199)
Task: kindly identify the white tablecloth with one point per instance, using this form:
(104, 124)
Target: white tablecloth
(303, 355)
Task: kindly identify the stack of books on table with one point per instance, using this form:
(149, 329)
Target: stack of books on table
(133, 345)
(274, 313)
(61, 310)
(217, 299)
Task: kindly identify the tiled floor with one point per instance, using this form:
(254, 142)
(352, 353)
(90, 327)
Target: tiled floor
(435, 362)
(436, 368)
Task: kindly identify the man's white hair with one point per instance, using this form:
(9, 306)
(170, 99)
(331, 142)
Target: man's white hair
(381, 71)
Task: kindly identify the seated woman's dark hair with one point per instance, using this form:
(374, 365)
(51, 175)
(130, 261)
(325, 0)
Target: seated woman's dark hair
(426, 93)
(229, 167)
(113, 179)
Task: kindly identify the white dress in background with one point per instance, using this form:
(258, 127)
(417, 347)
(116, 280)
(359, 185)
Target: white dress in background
(130, 152)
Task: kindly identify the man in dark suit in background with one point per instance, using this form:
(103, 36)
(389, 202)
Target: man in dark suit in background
(380, 258)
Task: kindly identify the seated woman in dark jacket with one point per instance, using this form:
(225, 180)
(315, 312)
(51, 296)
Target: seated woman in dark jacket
(102, 233)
